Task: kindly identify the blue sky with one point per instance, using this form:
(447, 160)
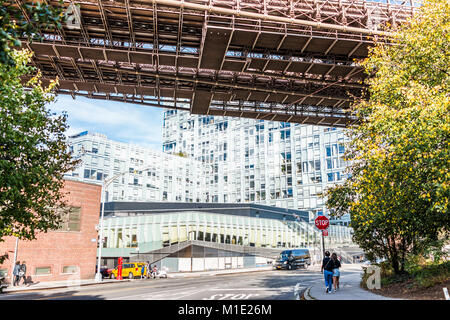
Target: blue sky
(120, 121)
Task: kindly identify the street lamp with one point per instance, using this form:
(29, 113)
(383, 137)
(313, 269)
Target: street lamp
(15, 256)
(105, 184)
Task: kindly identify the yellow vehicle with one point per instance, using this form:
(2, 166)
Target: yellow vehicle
(130, 270)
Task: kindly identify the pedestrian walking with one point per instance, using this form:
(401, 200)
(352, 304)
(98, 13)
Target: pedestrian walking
(23, 272)
(16, 272)
(327, 269)
(336, 272)
(154, 271)
(143, 271)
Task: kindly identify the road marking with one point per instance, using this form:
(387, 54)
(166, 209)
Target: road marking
(176, 296)
(157, 294)
(230, 296)
(297, 290)
(241, 289)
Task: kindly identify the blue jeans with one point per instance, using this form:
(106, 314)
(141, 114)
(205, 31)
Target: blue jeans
(328, 279)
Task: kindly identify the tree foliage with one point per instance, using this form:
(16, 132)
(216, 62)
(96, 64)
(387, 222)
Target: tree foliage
(25, 21)
(33, 152)
(398, 190)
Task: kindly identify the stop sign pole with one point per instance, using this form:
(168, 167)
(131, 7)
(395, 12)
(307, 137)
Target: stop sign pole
(322, 223)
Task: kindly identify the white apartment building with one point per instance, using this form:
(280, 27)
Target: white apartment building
(226, 160)
(150, 175)
(271, 163)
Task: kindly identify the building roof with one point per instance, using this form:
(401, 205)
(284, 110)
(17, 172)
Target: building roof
(240, 209)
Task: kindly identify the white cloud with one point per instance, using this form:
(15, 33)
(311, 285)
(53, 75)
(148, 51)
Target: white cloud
(124, 122)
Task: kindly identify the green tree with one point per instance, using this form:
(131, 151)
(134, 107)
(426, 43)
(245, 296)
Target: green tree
(25, 21)
(33, 152)
(398, 189)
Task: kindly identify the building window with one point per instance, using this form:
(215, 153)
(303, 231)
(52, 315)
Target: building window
(134, 242)
(90, 174)
(41, 271)
(70, 269)
(328, 151)
(71, 219)
(330, 177)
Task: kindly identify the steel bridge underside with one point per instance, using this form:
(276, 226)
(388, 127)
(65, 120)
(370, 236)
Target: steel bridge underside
(238, 58)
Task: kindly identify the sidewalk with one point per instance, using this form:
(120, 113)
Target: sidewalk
(76, 283)
(349, 287)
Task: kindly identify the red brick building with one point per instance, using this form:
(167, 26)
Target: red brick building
(66, 253)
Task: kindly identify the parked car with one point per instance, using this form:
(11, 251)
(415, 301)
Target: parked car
(292, 259)
(130, 270)
(3, 285)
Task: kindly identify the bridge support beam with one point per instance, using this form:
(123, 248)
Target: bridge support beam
(201, 101)
(215, 47)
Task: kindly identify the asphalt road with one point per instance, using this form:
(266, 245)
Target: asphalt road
(262, 285)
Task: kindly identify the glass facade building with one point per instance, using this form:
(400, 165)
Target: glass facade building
(273, 163)
(130, 233)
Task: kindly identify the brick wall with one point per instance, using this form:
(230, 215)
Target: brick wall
(56, 249)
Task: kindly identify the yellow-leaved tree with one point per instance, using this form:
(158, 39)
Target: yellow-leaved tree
(398, 191)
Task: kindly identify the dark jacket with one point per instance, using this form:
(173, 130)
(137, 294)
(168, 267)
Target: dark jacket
(327, 264)
(23, 268)
(336, 263)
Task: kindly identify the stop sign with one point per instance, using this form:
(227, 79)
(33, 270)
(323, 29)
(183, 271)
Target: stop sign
(322, 222)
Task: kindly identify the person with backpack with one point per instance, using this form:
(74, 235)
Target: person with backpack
(336, 272)
(327, 269)
(23, 272)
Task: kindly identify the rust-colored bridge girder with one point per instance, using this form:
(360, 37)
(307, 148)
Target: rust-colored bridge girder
(281, 60)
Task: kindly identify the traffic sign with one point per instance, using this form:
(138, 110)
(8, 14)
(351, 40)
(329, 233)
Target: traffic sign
(322, 222)
(325, 233)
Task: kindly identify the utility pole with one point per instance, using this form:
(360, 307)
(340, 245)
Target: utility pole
(15, 256)
(323, 245)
